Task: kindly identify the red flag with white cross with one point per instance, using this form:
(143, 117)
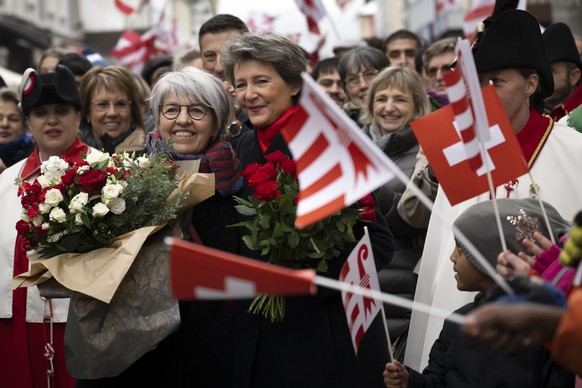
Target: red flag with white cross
(447, 153)
(199, 272)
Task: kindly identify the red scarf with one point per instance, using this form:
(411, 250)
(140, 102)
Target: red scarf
(266, 135)
(572, 103)
(534, 135)
(73, 153)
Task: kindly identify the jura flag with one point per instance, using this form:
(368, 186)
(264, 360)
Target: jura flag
(199, 272)
(337, 164)
(360, 270)
(314, 11)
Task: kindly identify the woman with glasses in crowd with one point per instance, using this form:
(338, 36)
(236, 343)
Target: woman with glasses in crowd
(357, 69)
(111, 116)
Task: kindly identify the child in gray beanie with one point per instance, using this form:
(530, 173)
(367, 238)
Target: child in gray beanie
(456, 360)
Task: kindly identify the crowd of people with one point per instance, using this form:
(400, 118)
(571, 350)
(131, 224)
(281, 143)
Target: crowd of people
(226, 105)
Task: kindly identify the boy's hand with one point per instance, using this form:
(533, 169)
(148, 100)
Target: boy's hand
(395, 375)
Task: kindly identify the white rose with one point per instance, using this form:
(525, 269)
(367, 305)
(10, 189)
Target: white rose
(100, 209)
(45, 226)
(78, 202)
(96, 157)
(38, 220)
(58, 215)
(117, 205)
(53, 197)
(78, 219)
(112, 190)
(44, 208)
(43, 181)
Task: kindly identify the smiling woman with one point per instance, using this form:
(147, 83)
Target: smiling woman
(111, 116)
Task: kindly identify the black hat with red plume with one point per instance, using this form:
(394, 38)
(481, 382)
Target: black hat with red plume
(48, 88)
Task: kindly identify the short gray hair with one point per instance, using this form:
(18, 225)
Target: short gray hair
(275, 49)
(402, 78)
(194, 85)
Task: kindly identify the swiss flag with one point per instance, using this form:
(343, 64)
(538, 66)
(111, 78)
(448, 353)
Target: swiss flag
(447, 154)
(314, 11)
(360, 270)
(337, 164)
(199, 272)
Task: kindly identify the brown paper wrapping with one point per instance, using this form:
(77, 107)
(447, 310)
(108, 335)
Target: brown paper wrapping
(98, 273)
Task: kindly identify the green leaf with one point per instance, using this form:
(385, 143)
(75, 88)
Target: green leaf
(322, 266)
(293, 239)
(265, 220)
(69, 243)
(245, 210)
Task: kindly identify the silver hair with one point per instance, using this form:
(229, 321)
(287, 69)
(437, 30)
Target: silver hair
(399, 77)
(285, 56)
(194, 85)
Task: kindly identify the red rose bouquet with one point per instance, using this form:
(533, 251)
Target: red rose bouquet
(272, 208)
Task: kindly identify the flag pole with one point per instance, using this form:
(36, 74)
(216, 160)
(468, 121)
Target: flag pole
(389, 298)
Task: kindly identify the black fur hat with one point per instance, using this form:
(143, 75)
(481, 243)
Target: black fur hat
(514, 40)
(48, 88)
(560, 44)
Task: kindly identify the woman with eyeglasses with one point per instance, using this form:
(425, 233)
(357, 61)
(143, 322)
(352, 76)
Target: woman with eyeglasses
(311, 346)
(111, 114)
(357, 69)
(395, 98)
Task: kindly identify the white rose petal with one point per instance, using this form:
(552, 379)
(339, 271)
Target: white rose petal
(117, 205)
(96, 157)
(45, 226)
(43, 181)
(53, 197)
(112, 190)
(58, 215)
(100, 209)
(38, 220)
(44, 208)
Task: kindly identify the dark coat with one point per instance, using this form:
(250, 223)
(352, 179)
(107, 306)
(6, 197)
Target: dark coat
(459, 361)
(312, 346)
(398, 276)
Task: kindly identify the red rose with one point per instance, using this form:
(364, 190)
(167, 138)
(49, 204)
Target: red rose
(250, 170)
(368, 214)
(92, 181)
(35, 188)
(113, 170)
(256, 179)
(289, 167)
(22, 227)
(40, 231)
(62, 188)
(267, 191)
(23, 189)
(270, 171)
(32, 212)
(277, 157)
(367, 201)
(69, 177)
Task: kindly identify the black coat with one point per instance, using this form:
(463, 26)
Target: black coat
(459, 361)
(312, 346)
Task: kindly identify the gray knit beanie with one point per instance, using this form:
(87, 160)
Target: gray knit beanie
(520, 218)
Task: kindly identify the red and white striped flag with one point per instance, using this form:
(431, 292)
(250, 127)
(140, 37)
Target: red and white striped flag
(360, 270)
(314, 11)
(457, 91)
(199, 272)
(260, 21)
(337, 164)
(133, 50)
(444, 7)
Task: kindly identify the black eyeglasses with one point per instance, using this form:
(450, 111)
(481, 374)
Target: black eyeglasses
(171, 111)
